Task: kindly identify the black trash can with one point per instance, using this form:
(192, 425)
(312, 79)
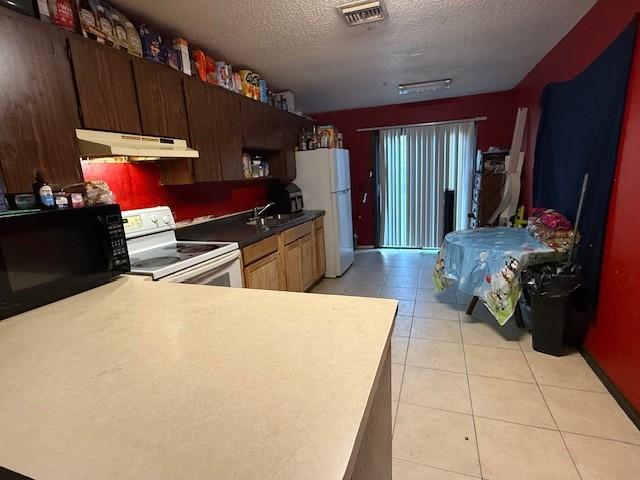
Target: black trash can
(549, 287)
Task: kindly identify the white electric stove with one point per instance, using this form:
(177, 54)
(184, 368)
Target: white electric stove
(155, 252)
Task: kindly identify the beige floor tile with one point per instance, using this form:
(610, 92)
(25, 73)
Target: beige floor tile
(398, 293)
(436, 389)
(590, 413)
(436, 438)
(405, 307)
(403, 470)
(399, 349)
(403, 325)
(497, 363)
(405, 281)
(426, 280)
(436, 329)
(571, 371)
(411, 270)
(510, 401)
(439, 355)
(430, 295)
(394, 411)
(362, 290)
(397, 371)
(599, 459)
(370, 280)
(488, 334)
(444, 311)
(331, 286)
(510, 452)
(525, 342)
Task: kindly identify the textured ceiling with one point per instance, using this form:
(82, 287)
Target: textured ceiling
(305, 46)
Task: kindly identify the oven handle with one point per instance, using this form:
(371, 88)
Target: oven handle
(206, 266)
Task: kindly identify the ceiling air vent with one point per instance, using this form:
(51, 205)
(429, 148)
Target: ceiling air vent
(357, 13)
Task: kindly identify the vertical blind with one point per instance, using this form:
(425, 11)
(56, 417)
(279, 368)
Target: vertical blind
(416, 166)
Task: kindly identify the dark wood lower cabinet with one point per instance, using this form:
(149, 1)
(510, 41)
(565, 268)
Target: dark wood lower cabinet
(38, 109)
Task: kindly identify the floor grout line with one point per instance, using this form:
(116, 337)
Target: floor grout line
(552, 416)
(475, 428)
(436, 468)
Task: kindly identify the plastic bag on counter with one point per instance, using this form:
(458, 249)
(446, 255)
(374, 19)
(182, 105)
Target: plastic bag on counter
(552, 279)
(96, 192)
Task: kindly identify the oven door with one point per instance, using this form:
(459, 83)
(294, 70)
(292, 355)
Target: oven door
(223, 271)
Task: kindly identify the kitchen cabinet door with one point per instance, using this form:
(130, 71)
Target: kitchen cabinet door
(38, 107)
(253, 121)
(308, 259)
(229, 133)
(273, 128)
(160, 99)
(321, 260)
(263, 274)
(201, 104)
(105, 86)
(293, 265)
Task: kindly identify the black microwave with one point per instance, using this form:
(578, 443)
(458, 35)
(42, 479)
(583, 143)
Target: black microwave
(50, 255)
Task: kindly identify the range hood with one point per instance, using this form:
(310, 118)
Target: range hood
(94, 143)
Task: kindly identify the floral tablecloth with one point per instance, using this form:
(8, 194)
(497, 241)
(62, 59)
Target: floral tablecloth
(487, 263)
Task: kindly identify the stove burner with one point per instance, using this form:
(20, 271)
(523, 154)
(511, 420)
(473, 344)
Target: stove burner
(156, 262)
(191, 249)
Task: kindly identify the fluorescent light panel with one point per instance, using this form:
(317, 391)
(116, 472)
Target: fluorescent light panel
(422, 87)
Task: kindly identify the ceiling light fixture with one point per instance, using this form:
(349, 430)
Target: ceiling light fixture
(422, 87)
(360, 12)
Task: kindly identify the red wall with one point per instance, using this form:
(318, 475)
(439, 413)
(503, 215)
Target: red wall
(613, 338)
(496, 130)
(138, 186)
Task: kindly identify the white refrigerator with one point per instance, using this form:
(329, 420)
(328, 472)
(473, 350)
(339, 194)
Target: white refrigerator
(324, 177)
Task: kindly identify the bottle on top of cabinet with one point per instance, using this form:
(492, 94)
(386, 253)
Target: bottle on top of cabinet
(43, 193)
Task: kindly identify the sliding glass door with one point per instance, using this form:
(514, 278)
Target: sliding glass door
(415, 167)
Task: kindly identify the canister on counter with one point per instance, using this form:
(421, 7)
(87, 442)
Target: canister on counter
(245, 82)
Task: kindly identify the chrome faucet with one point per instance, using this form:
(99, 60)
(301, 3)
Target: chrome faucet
(257, 211)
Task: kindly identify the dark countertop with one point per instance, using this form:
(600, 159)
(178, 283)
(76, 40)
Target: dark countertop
(235, 229)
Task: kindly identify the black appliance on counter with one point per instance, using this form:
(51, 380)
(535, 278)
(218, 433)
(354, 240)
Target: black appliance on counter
(27, 7)
(50, 255)
(288, 198)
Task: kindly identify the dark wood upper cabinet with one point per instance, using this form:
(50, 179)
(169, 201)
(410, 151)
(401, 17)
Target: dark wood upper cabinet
(160, 100)
(105, 86)
(38, 108)
(274, 121)
(229, 133)
(253, 116)
(202, 106)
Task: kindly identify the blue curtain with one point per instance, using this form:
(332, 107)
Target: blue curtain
(579, 132)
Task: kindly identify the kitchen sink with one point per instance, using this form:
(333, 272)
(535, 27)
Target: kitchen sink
(274, 220)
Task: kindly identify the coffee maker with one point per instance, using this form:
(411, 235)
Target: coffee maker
(288, 198)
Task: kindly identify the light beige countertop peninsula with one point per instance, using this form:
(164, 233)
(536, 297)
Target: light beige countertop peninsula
(148, 380)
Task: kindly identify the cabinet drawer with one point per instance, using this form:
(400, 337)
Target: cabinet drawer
(319, 222)
(295, 233)
(259, 250)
